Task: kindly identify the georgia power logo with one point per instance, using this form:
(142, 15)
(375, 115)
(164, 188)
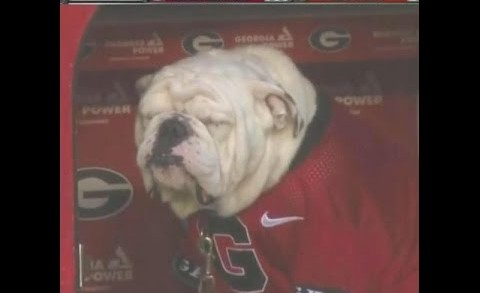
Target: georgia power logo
(102, 193)
(282, 40)
(202, 41)
(330, 40)
(107, 270)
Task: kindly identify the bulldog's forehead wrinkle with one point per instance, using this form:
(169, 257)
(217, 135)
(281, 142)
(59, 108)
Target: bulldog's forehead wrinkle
(185, 90)
(226, 65)
(226, 116)
(155, 103)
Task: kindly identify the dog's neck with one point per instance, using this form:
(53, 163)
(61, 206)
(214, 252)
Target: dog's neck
(270, 172)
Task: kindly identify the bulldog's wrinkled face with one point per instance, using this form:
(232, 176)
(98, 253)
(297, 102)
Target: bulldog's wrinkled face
(203, 131)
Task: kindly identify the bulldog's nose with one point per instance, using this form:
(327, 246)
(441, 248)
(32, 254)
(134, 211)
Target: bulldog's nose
(171, 133)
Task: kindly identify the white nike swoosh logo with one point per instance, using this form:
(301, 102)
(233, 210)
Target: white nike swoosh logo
(269, 222)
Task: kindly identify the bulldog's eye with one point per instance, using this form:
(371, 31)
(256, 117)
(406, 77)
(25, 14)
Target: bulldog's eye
(219, 130)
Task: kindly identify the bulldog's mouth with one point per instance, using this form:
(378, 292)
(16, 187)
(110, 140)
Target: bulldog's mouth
(167, 163)
(202, 196)
(162, 162)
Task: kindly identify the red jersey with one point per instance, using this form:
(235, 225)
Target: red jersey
(344, 220)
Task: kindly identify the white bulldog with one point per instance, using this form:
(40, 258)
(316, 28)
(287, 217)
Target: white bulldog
(216, 130)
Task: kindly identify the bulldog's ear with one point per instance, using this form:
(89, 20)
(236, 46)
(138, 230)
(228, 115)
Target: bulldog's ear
(280, 110)
(281, 105)
(142, 84)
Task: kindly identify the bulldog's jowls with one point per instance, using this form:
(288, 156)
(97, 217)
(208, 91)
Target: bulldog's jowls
(217, 129)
